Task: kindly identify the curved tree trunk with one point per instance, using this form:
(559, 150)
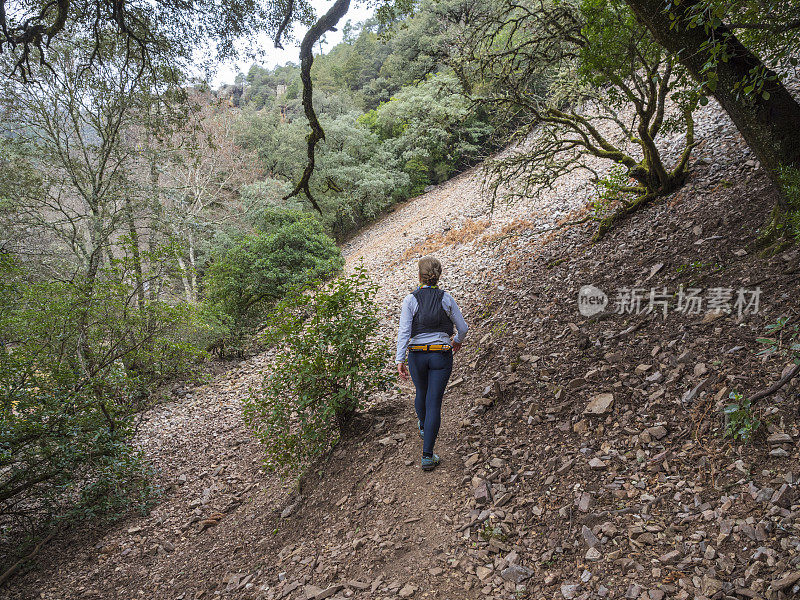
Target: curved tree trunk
(771, 126)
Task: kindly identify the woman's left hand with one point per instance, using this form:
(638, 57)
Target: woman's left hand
(456, 347)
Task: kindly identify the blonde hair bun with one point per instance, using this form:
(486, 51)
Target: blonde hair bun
(430, 270)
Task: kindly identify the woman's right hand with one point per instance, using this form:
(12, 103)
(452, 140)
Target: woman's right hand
(402, 370)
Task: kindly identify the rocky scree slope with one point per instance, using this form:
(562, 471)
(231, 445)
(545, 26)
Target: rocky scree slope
(582, 457)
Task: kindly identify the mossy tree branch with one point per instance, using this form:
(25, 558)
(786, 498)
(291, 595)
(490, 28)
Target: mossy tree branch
(605, 90)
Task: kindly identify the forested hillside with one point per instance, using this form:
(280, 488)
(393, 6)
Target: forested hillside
(146, 228)
(200, 288)
(397, 119)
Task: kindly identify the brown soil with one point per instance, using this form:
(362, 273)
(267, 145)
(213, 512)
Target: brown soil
(675, 510)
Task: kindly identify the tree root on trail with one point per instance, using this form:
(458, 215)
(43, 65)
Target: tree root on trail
(13, 568)
(621, 214)
(777, 385)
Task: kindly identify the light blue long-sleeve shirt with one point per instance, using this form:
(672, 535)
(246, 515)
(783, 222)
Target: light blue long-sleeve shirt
(407, 312)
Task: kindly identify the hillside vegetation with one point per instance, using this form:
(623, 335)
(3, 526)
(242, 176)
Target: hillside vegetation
(199, 289)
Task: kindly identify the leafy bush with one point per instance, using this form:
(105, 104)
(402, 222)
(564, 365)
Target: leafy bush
(328, 362)
(742, 421)
(782, 340)
(264, 266)
(365, 172)
(76, 363)
(610, 191)
(431, 128)
(789, 225)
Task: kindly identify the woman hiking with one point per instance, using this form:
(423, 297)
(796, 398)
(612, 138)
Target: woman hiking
(426, 324)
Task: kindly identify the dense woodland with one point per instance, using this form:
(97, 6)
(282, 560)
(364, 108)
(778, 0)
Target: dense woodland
(148, 221)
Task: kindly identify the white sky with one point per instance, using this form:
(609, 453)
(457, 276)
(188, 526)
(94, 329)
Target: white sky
(226, 72)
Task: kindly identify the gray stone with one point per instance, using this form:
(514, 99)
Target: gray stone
(779, 438)
(596, 464)
(516, 573)
(589, 537)
(328, 592)
(407, 590)
(570, 590)
(669, 557)
(633, 591)
(710, 585)
(483, 494)
(657, 432)
(497, 463)
(599, 405)
(593, 555)
(783, 496)
(785, 581)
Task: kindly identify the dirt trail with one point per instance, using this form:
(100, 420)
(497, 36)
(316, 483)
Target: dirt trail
(520, 507)
(218, 510)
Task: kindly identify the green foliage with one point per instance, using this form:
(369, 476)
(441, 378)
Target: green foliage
(375, 60)
(606, 51)
(786, 222)
(329, 359)
(431, 128)
(419, 127)
(356, 175)
(260, 268)
(574, 80)
(610, 191)
(782, 226)
(770, 30)
(76, 363)
(361, 175)
(741, 421)
(490, 531)
(156, 341)
(18, 177)
(783, 340)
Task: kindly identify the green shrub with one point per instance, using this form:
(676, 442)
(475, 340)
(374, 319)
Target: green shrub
(741, 421)
(79, 358)
(248, 278)
(431, 128)
(419, 173)
(76, 364)
(328, 362)
(790, 187)
(609, 191)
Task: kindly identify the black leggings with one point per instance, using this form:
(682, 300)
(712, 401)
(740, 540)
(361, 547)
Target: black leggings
(430, 372)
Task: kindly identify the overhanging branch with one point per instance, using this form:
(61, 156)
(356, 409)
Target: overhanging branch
(287, 18)
(326, 23)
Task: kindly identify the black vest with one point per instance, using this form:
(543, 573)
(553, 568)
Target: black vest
(430, 315)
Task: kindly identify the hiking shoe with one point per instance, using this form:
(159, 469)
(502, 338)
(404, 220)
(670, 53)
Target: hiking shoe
(421, 430)
(429, 463)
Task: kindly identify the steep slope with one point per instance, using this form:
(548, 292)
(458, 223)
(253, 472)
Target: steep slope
(534, 497)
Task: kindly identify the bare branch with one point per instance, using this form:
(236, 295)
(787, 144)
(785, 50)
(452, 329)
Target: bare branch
(326, 23)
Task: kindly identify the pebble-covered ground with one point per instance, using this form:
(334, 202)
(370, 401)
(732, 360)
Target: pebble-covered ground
(582, 458)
